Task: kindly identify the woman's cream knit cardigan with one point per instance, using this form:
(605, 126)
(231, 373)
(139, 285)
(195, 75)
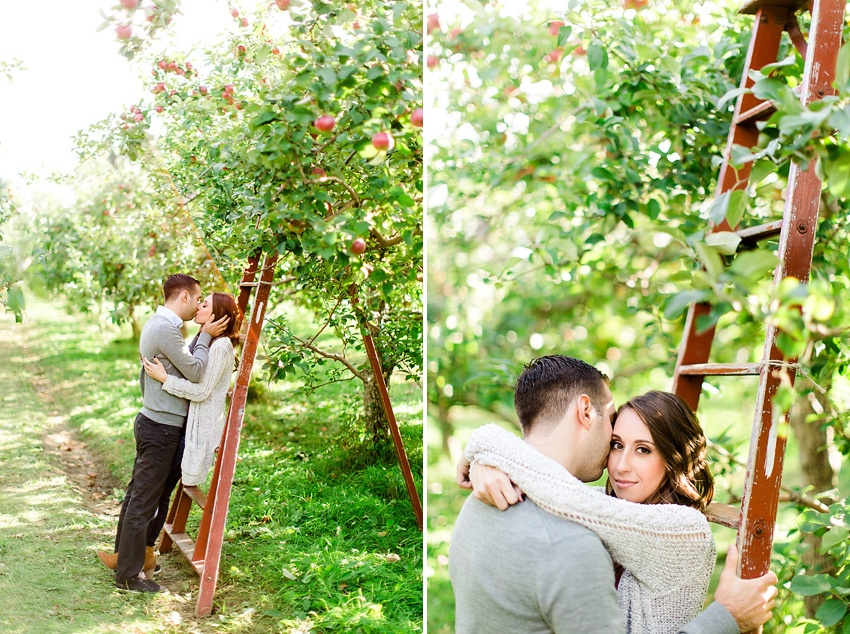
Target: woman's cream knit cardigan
(667, 550)
(205, 422)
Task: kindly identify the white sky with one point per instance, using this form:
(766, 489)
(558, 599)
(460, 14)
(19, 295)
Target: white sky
(75, 76)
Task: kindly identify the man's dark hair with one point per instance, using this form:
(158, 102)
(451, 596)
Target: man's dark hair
(177, 284)
(549, 384)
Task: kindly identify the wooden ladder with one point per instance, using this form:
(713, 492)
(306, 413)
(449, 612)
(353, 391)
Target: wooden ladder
(205, 553)
(756, 516)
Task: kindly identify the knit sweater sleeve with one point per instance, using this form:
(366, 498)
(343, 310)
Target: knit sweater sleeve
(661, 545)
(221, 358)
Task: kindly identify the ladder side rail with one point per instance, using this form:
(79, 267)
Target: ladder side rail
(212, 557)
(764, 48)
(248, 276)
(396, 435)
(796, 244)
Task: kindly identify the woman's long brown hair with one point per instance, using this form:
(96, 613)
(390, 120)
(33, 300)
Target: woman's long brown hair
(679, 438)
(224, 304)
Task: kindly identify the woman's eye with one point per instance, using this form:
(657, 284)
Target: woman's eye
(616, 445)
(644, 450)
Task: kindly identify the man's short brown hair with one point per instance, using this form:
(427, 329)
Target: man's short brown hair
(178, 283)
(549, 384)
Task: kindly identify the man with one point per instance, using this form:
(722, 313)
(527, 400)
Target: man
(525, 570)
(159, 428)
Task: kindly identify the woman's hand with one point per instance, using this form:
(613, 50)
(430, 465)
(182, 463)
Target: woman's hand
(494, 487)
(155, 369)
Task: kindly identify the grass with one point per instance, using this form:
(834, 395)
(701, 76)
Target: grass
(731, 409)
(313, 544)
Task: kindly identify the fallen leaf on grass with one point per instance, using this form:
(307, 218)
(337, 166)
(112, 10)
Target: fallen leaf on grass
(392, 557)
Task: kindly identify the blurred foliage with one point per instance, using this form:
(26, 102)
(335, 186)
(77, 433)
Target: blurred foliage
(570, 193)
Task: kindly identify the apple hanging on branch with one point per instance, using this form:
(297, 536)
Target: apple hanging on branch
(325, 123)
(358, 247)
(383, 141)
(124, 31)
(417, 117)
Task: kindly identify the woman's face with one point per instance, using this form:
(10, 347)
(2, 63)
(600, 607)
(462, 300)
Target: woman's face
(204, 311)
(635, 466)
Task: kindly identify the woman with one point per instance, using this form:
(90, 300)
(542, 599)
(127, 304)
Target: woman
(206, 418)
(656, 531)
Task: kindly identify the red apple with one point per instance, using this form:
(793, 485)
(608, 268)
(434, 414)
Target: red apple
(325, 123)
(579, 50)
(355, 25)
(554, 56)
(554, 26)
(433, 22)
(171, 66)
(283, 5)
(162, 64)
(234, 13)
(275, 51)
(129, 4)
(138, 117)
(229, 88)
(454, 33)
(160, 86)
(383, 141)
(241, 48)
(159, 108)
(318, 172)
(358, 246)
(431, 61)
(124, 32)
(244, 21)
(180, 71)
(416, 117)
(203, 90)
(189, 66)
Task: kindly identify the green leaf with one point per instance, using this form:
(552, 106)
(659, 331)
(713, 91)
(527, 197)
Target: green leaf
(680, 301)
(718, 209)
(726, 242)
(710, 259)
(754, 264)
(838, 175)
(738, 200)
(807, 586)
(267, 114)
(842, 68)
(835, 535)
(596, 56)
(831, 612)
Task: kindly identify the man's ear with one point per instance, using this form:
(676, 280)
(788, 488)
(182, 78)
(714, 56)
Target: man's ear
(584, 411)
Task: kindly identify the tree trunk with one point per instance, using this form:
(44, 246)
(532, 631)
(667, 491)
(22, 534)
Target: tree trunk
(134, 324)
(818, 473)
(377, 424)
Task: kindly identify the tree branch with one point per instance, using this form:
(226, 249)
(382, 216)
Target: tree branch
(331, 355)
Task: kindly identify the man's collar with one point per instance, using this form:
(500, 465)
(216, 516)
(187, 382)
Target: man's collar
(170, 315)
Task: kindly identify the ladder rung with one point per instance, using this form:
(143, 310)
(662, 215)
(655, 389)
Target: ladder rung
(248, 284)
(724, 514)
(720, 369)
(761, 111)
(187, 546)
(751, 235)
(197, 495)
(753, 6)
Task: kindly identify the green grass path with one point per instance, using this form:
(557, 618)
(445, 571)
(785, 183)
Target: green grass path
(50, 580)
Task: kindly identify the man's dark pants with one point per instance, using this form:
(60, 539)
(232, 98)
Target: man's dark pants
(156, 471)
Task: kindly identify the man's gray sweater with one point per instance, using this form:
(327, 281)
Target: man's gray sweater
(162, 339)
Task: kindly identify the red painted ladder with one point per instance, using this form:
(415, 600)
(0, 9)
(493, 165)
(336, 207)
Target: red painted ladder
(756, 517)
(205, 553)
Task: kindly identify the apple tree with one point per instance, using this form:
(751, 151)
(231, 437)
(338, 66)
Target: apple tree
(300, 132)
(116, 242)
